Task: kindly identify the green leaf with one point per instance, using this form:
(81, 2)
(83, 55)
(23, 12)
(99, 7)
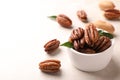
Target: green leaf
(108, 35)
(67, 44)
(52, 17)
(102, 33)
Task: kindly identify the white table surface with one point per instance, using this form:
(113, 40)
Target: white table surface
(25, 28)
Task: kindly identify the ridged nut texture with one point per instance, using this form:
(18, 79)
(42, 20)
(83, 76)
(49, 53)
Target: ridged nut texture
(64, 20)
(102, 44)
(112, 14)
(82, 15)
(76, 34)
(91, 34)
(51, 45)
(78, 44)
(50, 66)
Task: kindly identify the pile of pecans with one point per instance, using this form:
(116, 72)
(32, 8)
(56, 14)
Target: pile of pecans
(88, 40)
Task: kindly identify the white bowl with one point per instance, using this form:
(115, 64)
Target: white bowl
(90, 62)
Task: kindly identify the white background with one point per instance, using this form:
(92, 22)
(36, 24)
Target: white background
(25, 28)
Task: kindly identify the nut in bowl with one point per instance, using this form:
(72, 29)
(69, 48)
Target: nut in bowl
(90, 51)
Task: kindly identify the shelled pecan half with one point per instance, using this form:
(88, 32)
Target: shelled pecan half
(77, 44)
(50, 66)
(64, 20)
(102, 44)
(112, 14)
(91, 34)
(76, 34)
(51, 45)
(82, 15)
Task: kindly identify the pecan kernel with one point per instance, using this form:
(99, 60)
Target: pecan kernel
(91, 34)
(50, 66)
(64, 20)
(76, 34)
(82, 15)
(112, 14)
(51, 45)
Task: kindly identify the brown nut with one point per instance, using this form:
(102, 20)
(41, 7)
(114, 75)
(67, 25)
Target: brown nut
(77, 44)
(91, 34)
(82, 15)
(104, 25)
(50, 66)
(64, 21)
(51, 45)
(112, 14)
(87, 51)
(76, 34)
(104, 5)
(102, 44)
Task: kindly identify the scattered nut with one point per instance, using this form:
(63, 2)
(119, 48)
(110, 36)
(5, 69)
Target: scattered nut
(91, 34)
(104, 25)
(82, 15)
(64, 21)
(51, 45)
(76, 34)
(104, 5)
(50, 66)
(102, 44)
(112, 14)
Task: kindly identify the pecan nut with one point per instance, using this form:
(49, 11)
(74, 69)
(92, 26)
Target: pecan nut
(64, 21)
(112, 14)
(87, 50)
(51, 45)
(91, 34)
(50, 66)
(76, 34)
(102, 44)
(77, 44)
(82, 15)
